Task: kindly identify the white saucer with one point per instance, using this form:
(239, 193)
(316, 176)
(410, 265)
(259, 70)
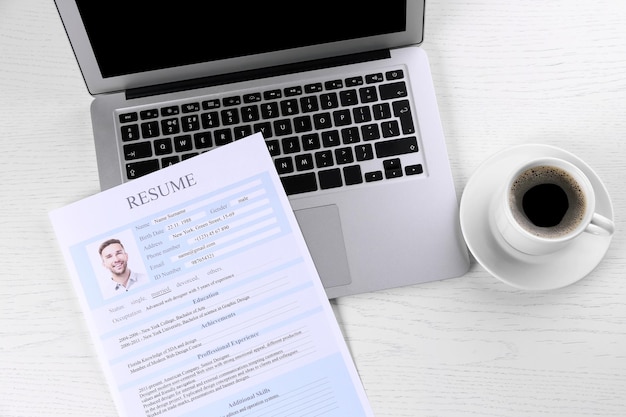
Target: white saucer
(515, 268)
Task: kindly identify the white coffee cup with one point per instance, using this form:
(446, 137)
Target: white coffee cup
(544, 204)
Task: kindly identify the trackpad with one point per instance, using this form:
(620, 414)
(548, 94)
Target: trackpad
(321, 227)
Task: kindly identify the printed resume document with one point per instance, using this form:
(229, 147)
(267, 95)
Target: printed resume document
(201, 296)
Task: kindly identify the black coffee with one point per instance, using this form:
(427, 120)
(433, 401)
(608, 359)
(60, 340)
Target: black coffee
(547, 201)
(545, 205)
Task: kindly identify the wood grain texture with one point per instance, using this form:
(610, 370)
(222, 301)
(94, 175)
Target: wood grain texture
(506, 73)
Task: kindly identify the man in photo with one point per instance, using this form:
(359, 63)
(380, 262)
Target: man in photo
(115, 259)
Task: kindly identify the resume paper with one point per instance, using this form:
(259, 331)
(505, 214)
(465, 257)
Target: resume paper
(201, 296)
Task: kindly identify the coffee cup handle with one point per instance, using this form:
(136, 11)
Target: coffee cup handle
(600, 225)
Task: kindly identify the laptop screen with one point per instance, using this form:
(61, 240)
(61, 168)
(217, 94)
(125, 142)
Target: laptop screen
(127, 38)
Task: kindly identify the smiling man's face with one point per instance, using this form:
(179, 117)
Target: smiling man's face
(115, 259)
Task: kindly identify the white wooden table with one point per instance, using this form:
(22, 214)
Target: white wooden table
(506, 73)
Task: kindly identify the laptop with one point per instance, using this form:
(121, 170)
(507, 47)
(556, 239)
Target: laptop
(341, 91)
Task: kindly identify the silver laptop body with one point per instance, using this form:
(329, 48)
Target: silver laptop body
(397, 226)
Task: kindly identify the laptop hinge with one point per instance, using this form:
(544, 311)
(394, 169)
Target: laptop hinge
(256, 74)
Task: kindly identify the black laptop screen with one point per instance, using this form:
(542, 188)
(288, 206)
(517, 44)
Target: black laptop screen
(136, 36)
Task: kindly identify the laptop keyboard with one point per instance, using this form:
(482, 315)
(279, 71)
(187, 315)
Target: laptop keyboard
(321, 135)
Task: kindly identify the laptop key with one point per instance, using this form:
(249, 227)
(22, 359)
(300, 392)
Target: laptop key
(273, 147)
(329, 101)
(364, 152)
(414, 169)
(284, 165)
(393, 90)
(223, 137)
(390, 128)
(141, 168)
(354, 81)
(373, 176)
(396, 147)
(150, 130)
(309, 104)
(183, 143)
(342, 117)
(190, 123)
(265, 128)
(210, 119)
(241, 132)
(289, 107)
(402, 110)
(302, 124)
(203, 140)
(138, 150)
(272, 94)
(300, 183)
(128, 117)
(291, 144)
(311, 141)
(163, 146)
(393, 173)
(170, 126)
(368, 94)
(250, 113)
(392, 164)
(283, 127)
(130, 132)
(324, 159)
(333, 85)
(393, 168)
(362, 114)
(149, 114)
(229, 117)
(348, 98)
(374, 78)
(350, 135)
(394, 75)
(210, 104)
(169, 111)
(313, 88)
(344, 155)
(304, 162)
(191, 107)
(322, 121)
(269, 110)
(252, 98)
(293, 91)
(231, 101)
(188, 155)
(381, 111)
(330, 138)
(352, 174)
(330, 178)
(370, 132)
(170, 160)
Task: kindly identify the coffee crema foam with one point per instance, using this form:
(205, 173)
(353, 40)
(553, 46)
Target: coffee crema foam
(544, 174)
